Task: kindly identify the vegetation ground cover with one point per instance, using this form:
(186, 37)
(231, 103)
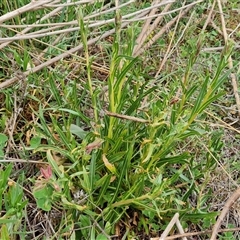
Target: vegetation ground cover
(117, 115)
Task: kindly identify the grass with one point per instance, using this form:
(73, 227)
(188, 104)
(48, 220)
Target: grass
(100, 144)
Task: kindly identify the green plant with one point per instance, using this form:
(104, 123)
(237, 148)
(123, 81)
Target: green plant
(12, 204)
(3, 140)
(228, 235)
(125, 165)
(118, 148)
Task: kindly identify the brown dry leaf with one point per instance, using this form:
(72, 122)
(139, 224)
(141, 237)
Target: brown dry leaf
(94, 145)
(135, 217)
(28, 137)
(40, 183)
(58, 158)
(109, 165)
(112, 179)
(117, 230)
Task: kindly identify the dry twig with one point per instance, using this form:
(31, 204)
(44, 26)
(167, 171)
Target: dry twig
(36, 5)
(11, 81)
(29, 7)
(162, 31)
(174, 220)
(177, 236)
(148, 27)
(225, 210)
(122, 116)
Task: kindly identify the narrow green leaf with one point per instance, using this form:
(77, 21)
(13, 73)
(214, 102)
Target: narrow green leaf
(54, 164)
(75, 113)
(199, 100)
(3, 139)
(101, 237)
(92, 171)
(104, 182)
(62, 135)
(54, 89)
(4, 234)
(76, 130)
(209, 101)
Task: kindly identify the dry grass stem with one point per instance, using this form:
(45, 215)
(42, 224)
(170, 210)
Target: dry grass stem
(122, 116)
(177, 236)
(169, 226)
(15, 160)
(14, 79)
(30, 27)
(161, 32)
(225, 210)
(174, 220)
(76, 3)
(139, 16)
(226, 125)
(208, 20)
(220, 164)
(49, 62)
(168, 52)
(166, 13)
(22, 35)
(29, 7)
(230, 61)
(148, 27)
(214, 49)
